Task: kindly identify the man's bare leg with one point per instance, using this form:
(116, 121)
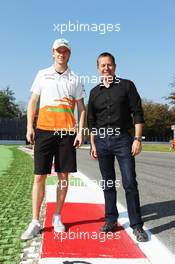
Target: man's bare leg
(62, 188)
(37, 198)
(60, 198)
(38, 195)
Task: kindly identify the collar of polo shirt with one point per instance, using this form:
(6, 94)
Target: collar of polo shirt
(66, 72)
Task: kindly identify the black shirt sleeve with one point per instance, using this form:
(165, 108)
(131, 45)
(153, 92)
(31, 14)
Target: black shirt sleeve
(91, 118)
(135, 104)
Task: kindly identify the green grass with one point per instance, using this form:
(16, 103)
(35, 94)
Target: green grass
(5, 158)
(15, 204)
(156, 147)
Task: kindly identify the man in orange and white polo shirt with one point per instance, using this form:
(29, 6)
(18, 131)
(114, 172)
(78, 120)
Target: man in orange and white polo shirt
(58, 90)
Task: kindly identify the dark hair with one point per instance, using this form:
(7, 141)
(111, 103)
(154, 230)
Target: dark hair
(106, 54)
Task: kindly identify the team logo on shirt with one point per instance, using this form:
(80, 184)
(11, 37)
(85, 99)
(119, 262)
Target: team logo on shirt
(63, 105)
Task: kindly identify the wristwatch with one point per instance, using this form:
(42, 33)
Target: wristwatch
(138, 139)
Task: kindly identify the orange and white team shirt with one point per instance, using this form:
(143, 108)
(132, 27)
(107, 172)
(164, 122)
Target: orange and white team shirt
(58, 94)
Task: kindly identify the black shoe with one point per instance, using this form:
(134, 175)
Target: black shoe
(109, 227)
(140, 234)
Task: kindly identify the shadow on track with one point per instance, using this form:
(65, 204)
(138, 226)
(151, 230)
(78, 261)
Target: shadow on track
(159, 210)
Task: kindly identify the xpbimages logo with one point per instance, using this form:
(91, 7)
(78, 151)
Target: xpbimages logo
(101, 28)
(84, 235)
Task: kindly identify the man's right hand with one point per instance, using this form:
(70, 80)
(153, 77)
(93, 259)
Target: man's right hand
(30, 135)
(93, 152)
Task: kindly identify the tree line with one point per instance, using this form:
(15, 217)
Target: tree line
(158, 117)
(8, 106)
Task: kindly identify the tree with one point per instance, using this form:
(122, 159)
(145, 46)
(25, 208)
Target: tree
(158, 120)
(8, 107)
(171, 96)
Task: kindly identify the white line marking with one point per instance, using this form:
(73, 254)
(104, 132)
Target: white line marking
(75, 195)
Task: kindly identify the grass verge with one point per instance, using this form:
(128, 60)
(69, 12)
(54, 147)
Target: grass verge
(156, 147)
(15, 205)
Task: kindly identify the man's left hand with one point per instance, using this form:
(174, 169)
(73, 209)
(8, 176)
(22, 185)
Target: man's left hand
(136, 147)
(78, 140)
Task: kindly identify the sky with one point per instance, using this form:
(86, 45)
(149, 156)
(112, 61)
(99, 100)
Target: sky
(140, 34)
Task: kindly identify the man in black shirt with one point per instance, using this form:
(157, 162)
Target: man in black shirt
(114, 106)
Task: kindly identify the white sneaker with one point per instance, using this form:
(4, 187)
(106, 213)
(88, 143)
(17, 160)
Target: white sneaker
(32, 231)
(57, 224)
